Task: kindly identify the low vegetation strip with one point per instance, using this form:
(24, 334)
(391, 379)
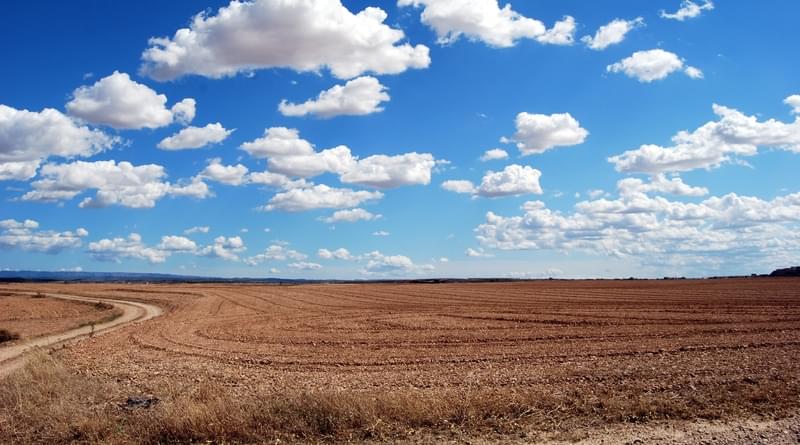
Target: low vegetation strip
(417, 362)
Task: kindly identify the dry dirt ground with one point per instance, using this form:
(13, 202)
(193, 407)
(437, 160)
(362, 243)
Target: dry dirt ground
(522, 362)
(35, 316)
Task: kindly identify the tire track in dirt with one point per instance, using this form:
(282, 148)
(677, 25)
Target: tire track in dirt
(13, 357)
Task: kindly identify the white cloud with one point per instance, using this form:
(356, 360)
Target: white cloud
(303, 265)
(794, 102)
(275, 180)
(278, 141)
(688, 10)
(459, 186)
(477, 253)
(302, 35)
(562, 32)
(28, 137)
(25, 236)
(494, 154)
(319, 197)
(612, 33)
(382, 171)
(197, 229)
(351, 216)
(511, 181)
(378, 263)
(116, 183)
(596, 193)
(18, 171)
(484, 20)
(380, 233)
(226, 174)
(339, 254)
(693, 72)
(657, 230)
(195, 137)
(537, 133)
(174, 243)
(654, 64)
(714, 143)
(275, 252)
(117, 249)
(290, 155)
(658, 184)
(225, 248)
(119, 102)
(357, 97)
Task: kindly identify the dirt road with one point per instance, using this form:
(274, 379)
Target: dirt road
(12, 357)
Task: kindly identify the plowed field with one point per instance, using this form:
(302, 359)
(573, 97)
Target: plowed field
(34, 316)
(541, 355)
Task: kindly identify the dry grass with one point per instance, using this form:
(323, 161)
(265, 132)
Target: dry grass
(46, 403)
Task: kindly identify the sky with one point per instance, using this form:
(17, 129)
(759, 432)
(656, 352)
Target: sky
(410, 138)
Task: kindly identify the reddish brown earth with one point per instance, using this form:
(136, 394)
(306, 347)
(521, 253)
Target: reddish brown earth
(543, 357)
(31, 316)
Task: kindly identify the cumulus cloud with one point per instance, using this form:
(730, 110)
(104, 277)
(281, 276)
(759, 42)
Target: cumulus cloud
(27, 138)
(358, 97)
(511, 181)
(319, 197)
(654, 64)
(132, 247)
(688, 10)
(380, 264)
(612, 33)
(351, 216)
(459, 186)
(658, 184)
(226, 248)
(794, 102)
(653, 228)
(197, 229)
(537, 133)
(275, 252)
(173, 243)
(339, 254)
(24, 235)
(116, 184)
(18, 171)
(382, 171)
(477, 253)
(302, 35)
(288, 154)
(303, 265)
(714, 143)
(195, 137)
(494, 154)
(226, 174)
(119, 102)
(380, 233)
(117, 249)
(484, 20)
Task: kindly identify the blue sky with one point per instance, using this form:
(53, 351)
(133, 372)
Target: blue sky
(389, 108)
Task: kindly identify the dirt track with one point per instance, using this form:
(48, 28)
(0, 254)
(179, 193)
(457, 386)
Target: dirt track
(12, 357)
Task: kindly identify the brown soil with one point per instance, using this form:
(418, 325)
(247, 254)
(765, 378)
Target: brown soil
(33, 316)
(497, 361)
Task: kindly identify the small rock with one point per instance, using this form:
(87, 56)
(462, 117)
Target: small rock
(134, 402)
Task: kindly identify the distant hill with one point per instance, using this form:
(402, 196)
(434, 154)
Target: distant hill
(788, 272)
(32, 275)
